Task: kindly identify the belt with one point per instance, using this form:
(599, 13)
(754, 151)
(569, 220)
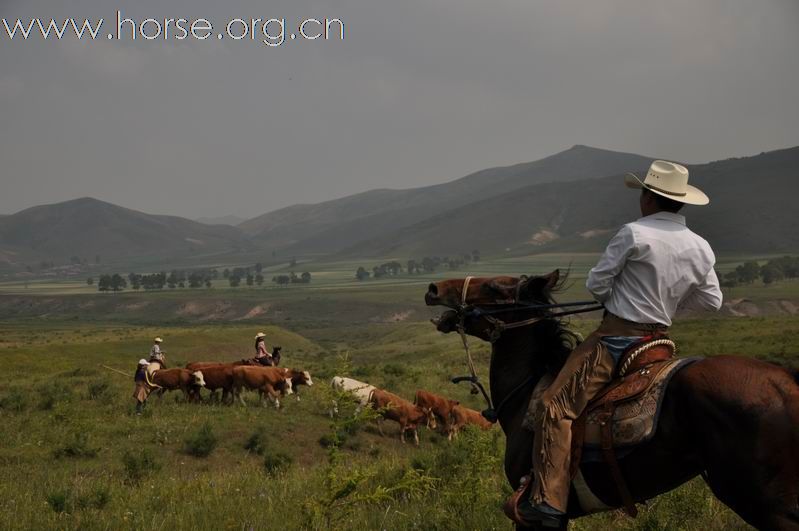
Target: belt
(614, 322)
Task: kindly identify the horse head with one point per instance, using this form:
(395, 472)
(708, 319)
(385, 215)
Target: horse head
(473, 300)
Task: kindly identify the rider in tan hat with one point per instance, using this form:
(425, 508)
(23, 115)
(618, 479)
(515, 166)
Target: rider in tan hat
(651, 268)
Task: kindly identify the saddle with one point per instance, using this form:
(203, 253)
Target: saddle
(641, 365)
(624, 414)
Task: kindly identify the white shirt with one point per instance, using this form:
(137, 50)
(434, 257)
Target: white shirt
(653, 267)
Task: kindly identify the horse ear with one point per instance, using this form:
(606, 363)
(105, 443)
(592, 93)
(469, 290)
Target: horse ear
(539, 286)
(552, 279)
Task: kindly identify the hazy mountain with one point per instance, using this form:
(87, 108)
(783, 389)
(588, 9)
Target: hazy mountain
(222, 220)
(88, 227)
(334, 225)
(751, 211)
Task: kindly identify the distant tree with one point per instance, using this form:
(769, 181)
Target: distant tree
(411, 266)
(74, 260)
(196, 279)
(771, 273)
(181, 284)
(234, 281)
(135, 280)
(207, 282)
(428, 264)
(306, 277)
(475, 255)
(226, 273)
(259, 279)
(250, 280)
(90, 281)
(259, 267)
(362, 274)
(104, 284)
(118, 282)
(748, 272)
(281, 280)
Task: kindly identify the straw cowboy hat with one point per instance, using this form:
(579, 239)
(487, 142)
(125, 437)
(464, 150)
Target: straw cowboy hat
(259, 334)
(158, 340)
(143, 362)
(669, 180)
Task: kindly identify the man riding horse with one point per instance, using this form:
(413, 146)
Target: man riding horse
(651, 268)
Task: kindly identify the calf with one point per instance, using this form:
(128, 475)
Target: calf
(461, 416)
(407, 415)
(270, 381)
(299, 378)
(440, 407)
(179, 379)
(360, 391)
(219, 376)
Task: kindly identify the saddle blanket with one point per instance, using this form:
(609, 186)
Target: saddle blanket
(635, 420)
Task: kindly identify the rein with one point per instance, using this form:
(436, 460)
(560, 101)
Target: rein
(491, 413)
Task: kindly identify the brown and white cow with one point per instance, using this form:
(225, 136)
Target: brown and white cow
(271, 382)
(440, 406)
(217, 377)
(463, 416)
(184, 380)
(408, 416)
(299, 378)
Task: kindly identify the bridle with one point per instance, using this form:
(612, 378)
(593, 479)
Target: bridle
(498, 326)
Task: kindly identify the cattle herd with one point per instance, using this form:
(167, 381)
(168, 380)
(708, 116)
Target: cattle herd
(432, 410)
(273, 383)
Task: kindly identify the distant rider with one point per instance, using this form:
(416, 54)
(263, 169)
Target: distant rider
(142, 390)
(157, 360)
(262, 356)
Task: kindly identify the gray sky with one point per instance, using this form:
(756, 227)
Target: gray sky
(419, 92)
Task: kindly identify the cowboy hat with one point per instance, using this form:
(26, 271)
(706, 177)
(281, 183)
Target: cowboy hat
(669, 180)
(158, 340)
(259, 334)
(143, 362)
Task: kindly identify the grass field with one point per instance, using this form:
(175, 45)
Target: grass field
(74, 455)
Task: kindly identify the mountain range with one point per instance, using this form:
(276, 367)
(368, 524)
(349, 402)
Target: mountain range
(571, 201)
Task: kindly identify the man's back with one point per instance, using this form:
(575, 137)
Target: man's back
(652, 267)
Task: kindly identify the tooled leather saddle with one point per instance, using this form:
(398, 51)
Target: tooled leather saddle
(623, 415)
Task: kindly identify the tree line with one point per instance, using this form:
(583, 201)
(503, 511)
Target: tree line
(197, 278)
(785, 267)
(428, 264)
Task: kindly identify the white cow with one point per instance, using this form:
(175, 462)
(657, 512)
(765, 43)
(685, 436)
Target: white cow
(361, 391)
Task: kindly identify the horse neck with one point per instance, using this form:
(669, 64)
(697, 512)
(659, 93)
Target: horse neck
(514, 359)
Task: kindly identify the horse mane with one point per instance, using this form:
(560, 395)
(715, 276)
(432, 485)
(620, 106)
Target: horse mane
(555, 339)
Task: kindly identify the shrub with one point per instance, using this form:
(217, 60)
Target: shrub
(139, 464)
(53, 392)
(98, 390)
(202, 443)
(59, 501)
(97, 499)
(15, 400)
(257, 442)
(77, 447)
(274, 463)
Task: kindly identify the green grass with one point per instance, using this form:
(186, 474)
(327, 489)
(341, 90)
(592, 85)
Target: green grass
(75, 456)
(73, 460)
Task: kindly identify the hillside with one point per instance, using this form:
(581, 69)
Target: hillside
(222, 220)
(750, 212)
(88, 227)
(334, 225)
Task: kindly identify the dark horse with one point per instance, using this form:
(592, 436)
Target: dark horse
(733, 420)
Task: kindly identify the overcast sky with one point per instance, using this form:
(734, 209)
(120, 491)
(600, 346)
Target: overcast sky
(418, 92)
